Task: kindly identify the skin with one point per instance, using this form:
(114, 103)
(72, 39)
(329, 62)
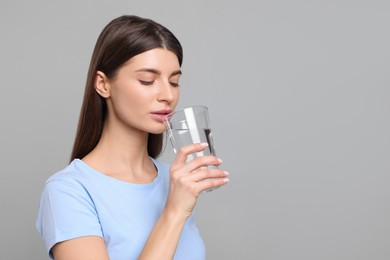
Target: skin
(146, 83)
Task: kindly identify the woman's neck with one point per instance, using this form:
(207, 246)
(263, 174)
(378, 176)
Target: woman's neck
(122, 153)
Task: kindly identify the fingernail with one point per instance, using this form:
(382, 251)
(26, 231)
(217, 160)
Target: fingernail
(204, 144)
(220, 160)
(225, 180)
(226, 173)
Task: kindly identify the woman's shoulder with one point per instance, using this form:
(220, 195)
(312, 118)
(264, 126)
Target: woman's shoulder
(78, 175)
(161, 164)
(162, 167)
(71, 174)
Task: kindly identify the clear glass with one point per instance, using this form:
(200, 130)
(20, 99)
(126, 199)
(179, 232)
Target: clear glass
(188, 126)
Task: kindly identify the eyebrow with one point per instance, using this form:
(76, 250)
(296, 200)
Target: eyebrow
(154, 71)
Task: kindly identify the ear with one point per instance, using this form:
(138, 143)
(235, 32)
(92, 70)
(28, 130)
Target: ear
(102, 86)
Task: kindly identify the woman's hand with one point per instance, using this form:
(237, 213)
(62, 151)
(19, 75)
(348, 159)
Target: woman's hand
(189, 179)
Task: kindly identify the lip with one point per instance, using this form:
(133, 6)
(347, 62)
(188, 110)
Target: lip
(161, 114)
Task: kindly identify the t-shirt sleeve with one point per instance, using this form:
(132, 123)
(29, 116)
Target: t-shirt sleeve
(66, 211)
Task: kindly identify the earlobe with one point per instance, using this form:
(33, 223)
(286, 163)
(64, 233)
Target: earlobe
(101, 84)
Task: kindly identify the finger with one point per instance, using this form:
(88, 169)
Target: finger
(211, 183)
(182, 154)
(201, 162)
(202, 175)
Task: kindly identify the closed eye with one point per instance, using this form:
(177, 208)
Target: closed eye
(146, 83)
(173, 84)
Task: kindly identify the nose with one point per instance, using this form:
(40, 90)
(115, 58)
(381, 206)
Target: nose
(167, 93)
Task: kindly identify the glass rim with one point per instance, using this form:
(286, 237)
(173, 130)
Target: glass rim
(168, 116)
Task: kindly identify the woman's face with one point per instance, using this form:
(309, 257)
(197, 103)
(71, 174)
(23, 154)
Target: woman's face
(145, 89)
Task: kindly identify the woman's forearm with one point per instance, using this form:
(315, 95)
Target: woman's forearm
(163, 239)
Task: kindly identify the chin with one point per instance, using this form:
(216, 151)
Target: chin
(157, 130)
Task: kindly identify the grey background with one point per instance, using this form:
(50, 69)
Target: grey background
(298, 92)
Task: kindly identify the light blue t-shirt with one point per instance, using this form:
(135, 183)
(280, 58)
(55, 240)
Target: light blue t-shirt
(79, 201)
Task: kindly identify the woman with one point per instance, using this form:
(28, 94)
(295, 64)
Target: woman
(115, 200)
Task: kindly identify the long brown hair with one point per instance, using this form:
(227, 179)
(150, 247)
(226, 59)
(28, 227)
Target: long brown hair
(122, 39)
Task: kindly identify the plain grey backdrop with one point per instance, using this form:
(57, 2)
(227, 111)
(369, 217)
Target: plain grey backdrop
(298, 93)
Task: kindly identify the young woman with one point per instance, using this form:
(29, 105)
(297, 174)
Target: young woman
(115, 200)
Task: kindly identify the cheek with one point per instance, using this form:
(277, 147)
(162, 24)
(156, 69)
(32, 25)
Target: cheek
(124, 100)
(126, 94)
(120, 98)
(177, 96)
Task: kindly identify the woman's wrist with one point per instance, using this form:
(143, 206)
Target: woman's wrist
(175, 215)
(165, 235)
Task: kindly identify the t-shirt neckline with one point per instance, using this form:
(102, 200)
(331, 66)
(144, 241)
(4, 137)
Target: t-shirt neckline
(88, 169)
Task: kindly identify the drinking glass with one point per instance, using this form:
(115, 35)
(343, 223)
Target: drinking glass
(188, 126)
